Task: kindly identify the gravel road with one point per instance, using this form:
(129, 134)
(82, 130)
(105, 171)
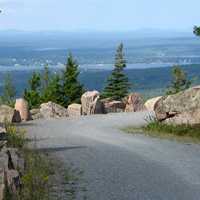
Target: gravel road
(119, 166)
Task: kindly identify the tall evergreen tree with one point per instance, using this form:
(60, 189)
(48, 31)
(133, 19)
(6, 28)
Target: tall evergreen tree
(117, 84)
(53, 91)
(179, 81)
(32, 95)
(72, 89)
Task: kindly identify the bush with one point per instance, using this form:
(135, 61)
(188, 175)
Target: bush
(178, 130)
(35, 181)
(15, 137)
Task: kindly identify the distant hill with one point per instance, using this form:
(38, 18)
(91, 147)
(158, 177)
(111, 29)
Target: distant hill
(150, 82)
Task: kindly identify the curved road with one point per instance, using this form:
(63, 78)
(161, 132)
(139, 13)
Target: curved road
(119, 166)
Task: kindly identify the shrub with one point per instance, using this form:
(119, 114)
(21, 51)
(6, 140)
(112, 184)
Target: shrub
(15, 137)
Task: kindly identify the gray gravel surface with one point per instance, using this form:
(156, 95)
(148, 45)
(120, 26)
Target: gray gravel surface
(119, 166)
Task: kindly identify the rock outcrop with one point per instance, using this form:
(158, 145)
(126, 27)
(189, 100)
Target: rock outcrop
(181, 108)
(74, 110)
(21, 105)
(112, 106)
(91, 103)
(52, 110)
(151, 103)
(11, 166)
(134, 103)
(9, 114)
(35, 114)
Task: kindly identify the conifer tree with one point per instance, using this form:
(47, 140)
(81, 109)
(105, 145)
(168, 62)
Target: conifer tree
(117, 84)
(72, 90)
(32, 95)
(179, 81)
(53, 91)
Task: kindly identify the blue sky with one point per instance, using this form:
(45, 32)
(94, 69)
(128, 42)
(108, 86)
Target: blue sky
(99, 15)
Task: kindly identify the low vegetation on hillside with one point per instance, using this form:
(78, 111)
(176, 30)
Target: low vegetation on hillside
(154, 128)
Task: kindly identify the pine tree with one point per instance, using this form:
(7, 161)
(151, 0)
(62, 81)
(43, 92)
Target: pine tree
(179, 81)
(53, 91)
(117, 84)
(72, 90)
(196, 30)
(32, 95)
(9, 91)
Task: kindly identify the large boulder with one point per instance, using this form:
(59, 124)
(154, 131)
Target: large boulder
(21, 105)
(151, 103)
(91, 103)
(9, 114)
(74, 110)
(35, 114)
(52, 110)
(112, 106)
(134, 103)
(181, 108)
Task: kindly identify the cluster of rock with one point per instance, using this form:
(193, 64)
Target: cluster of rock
(180, 108)
(90, 104)
(10, 165)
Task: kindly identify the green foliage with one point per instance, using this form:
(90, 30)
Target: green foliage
(71, 88)
(32, 95)
(53, 91)
(155, 128)
(196, 30)
(178, 130)
(9, 92)
(35, 181)
(62, 90)
(117, 84)
(15, 137)
(179, 81)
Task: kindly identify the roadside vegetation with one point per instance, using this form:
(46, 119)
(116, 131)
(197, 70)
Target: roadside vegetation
(40, 178)
(154, 128)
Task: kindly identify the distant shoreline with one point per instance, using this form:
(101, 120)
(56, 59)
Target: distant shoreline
(92, 67)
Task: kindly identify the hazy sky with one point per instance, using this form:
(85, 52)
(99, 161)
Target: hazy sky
(104, 15)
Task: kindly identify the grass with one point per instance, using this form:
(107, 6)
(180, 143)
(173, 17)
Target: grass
(15, 137)
(40, 174)
(182, 133)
